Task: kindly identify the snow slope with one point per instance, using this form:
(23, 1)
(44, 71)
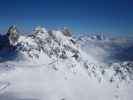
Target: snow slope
(51, 65)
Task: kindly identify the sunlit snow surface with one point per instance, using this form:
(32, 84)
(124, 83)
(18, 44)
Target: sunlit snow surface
(44, 82)
(104, 70)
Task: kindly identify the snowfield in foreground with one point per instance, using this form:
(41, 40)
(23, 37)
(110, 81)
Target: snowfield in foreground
(52, 65)
(46, 83)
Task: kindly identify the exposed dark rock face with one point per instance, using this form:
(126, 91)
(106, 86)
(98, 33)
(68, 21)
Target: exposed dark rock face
(67, 32)
(13, 35)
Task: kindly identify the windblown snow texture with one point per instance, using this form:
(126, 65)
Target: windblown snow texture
(53, 65)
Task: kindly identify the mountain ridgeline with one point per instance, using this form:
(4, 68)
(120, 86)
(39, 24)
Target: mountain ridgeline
(59, 44)
(92, 54)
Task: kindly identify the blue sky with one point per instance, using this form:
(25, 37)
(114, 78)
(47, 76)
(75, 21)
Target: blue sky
(110, 16)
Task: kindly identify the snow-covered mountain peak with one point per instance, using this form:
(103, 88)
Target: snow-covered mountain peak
(12, 29)
(96, 37)
(52, 43)
(13, 35)
(55, 59)
(40, 29)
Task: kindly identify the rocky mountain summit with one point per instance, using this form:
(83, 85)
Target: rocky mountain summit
(55, 43)
(56, 61)
(59, 45)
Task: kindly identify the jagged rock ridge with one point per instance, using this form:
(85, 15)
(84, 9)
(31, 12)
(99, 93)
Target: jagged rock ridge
(59, 45)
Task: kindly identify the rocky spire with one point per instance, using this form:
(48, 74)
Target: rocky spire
(13, 35)
(67, 32)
